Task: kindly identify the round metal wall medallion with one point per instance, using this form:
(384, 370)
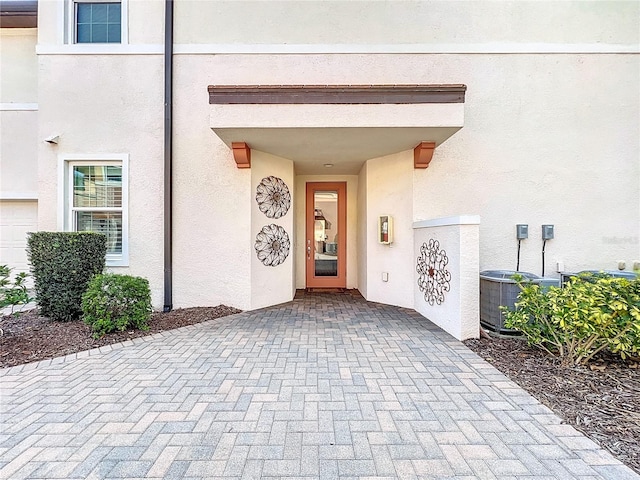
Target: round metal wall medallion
(433, 277)
(272, 245)
(273, 197)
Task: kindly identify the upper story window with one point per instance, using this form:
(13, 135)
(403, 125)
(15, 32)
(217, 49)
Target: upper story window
(98, 22)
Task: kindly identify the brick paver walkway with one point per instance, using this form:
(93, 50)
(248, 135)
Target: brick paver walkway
(321, 387)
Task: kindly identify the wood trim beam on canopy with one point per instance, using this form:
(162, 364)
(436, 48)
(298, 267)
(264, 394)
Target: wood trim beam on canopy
(335, 94)
(19, 14)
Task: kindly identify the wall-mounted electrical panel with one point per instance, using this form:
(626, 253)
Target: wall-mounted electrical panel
(547, 232)
(385, 229)
(522, 231)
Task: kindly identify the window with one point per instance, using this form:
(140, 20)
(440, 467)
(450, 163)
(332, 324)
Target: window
(95, 200)
(98, 22)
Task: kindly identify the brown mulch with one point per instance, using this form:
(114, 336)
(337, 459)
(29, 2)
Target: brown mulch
(29, 337)
(602, 400)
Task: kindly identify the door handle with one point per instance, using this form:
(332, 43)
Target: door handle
(308, 253)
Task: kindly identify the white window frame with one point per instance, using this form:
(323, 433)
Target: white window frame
(70, 15)
(65, 196)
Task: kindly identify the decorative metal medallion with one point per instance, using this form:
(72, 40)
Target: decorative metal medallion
(273, 197)
(433, 277)
(272, 245)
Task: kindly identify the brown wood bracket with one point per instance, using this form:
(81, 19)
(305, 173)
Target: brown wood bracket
(241, 154)
(423, 154)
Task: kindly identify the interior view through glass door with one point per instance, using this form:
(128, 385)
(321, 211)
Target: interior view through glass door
(326, 235)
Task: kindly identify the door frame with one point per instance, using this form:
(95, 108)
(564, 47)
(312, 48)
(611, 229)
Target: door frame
(313, 281)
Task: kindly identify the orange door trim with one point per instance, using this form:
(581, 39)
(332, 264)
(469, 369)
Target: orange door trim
(313, 281)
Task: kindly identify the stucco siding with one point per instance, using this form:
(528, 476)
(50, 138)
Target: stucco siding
(18, 65)
(407, 22)
(362, 235)
(18, 154)
(212, 245)
(115, 106)
(548, 139)
(271, 284)
(390, 192)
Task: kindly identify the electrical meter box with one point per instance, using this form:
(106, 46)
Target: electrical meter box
(522, 231)
(547, 232)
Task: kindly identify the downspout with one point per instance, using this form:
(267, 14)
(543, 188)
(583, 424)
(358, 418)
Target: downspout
(168, 145)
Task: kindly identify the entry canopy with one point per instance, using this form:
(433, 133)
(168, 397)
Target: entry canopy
(342, 125)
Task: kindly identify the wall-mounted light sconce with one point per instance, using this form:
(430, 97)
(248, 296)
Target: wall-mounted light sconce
(53, 139)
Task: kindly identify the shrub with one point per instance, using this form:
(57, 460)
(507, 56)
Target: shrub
(586, 316)
(62, 264)
(116, 302)
(13, 292)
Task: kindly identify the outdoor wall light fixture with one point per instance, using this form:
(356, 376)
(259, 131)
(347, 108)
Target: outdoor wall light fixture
(53, 139)
(328, 165)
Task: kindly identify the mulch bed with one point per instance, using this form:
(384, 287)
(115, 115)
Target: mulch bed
(601, 400)
(30, 337)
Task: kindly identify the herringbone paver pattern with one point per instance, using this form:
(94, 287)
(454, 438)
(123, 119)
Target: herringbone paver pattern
(326, 386)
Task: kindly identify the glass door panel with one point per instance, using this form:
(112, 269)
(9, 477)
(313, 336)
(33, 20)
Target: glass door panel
(325, 232)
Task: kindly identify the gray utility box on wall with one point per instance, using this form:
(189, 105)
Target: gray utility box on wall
(497, 289)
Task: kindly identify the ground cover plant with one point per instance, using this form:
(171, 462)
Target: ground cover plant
(13, 291)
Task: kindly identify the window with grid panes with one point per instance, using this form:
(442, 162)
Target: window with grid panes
(96, 202)
(98, 22)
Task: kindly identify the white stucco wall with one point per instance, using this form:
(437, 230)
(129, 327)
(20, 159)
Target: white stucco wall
(451, 301)
(532, 124)
(548, 138)
(212, 249)
(18, 65)
(271, 284)
(114, 106)
(389, 191)
(542, 146)
(18, 113)
(18, 154)
(146, 21)
(51, 22)
(524, 132)
(352, 225)
(362, 231)
(402, 23)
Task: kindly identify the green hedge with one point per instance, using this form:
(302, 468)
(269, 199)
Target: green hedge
(116, 302)
(62, 264)
(588, 315)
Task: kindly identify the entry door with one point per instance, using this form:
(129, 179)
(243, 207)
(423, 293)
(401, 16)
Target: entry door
(326, 238)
